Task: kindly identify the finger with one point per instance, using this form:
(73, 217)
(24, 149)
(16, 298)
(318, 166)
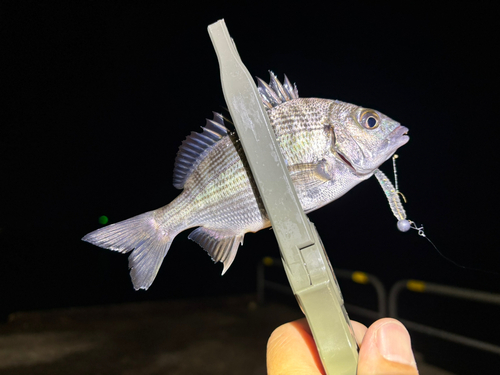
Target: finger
(359, 331)
(386, 349)
(291, 350)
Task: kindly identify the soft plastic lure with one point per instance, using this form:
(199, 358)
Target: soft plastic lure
(393, 196)
(404, 225)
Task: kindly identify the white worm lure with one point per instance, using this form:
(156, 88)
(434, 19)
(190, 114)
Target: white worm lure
(392, 193)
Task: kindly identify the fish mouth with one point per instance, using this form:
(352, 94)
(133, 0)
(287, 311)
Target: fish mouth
(398, 137)
(345, 160)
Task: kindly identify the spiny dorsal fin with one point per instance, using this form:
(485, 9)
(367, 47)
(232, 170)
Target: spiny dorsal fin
(195, 147)
(275, 93)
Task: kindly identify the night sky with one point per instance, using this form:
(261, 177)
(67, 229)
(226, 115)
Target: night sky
(99, 95)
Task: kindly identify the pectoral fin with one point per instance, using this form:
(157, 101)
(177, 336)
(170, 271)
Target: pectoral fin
(221, 246)
(310, 175)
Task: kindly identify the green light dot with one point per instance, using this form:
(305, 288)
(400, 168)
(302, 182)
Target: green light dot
(103, 220)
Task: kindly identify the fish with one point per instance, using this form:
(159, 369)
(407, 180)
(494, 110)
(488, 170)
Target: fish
(329, 147)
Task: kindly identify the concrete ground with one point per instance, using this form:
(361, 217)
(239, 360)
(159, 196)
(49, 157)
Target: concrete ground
(223, 335)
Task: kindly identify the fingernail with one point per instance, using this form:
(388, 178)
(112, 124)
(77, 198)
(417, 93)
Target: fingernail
(394, 344)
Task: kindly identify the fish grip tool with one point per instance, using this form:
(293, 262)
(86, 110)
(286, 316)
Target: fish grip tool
(304, 258)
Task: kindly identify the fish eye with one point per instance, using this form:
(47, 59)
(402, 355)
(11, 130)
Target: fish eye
(369, 119)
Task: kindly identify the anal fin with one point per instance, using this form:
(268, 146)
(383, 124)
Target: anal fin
(221, 246)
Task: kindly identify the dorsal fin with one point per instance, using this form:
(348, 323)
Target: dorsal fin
(195, 147)
(275, 93)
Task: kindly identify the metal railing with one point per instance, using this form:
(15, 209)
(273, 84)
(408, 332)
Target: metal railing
(391, 302)
(418, 286)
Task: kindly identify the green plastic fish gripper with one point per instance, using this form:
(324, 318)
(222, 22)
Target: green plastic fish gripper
(304, 258)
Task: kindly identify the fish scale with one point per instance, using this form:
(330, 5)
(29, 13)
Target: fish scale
(301, 143)
(329, 147)
(219, 190)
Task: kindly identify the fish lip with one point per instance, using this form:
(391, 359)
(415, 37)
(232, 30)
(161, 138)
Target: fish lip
(398, 136)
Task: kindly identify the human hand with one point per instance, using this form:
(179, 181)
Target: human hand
(384, 349)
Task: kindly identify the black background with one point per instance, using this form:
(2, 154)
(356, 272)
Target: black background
(98, 95)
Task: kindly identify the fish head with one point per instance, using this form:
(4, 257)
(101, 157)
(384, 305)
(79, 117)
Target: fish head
(365, 138)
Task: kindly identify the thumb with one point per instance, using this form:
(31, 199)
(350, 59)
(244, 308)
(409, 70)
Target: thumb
(386, 349)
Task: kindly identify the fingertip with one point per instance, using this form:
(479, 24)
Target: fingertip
(386, 349)
(291, 350)
(394, 343)
(359, 331)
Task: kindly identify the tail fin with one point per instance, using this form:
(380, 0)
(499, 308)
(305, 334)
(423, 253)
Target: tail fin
(141, 234)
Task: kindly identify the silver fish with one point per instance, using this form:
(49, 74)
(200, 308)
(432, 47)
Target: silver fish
(329, 147)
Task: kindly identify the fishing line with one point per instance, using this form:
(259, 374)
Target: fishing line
(422, 234)
(392, 193)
